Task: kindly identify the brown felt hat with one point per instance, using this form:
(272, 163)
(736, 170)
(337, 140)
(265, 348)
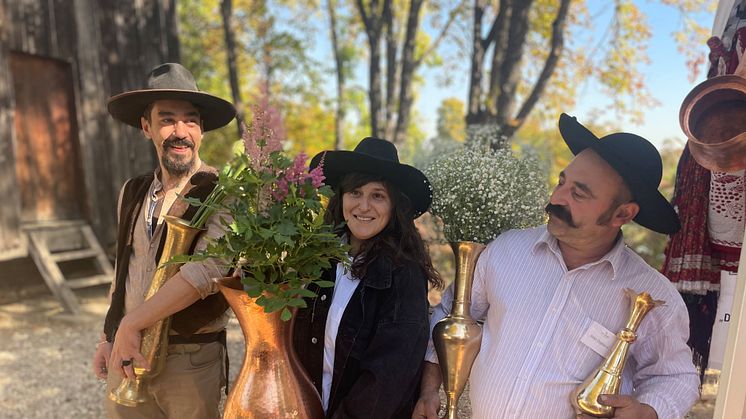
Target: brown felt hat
(171, 81)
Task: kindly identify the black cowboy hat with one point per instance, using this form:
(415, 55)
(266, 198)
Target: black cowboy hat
(638, 163)
(377, 157)
(171, 81)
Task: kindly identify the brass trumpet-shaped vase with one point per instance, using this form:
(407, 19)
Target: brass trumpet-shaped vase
(154, 344)
(607, 378)
(272, 383)
(457, 337)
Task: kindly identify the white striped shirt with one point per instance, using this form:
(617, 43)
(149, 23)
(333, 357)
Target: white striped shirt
(535, 313)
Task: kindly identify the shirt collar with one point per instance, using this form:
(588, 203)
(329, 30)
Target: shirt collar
(158, 185)
(612, 258)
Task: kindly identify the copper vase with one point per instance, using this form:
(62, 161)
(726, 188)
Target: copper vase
(457, 337)
(272, 383)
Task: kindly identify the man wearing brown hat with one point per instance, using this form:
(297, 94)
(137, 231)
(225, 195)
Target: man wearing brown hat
(553, 297)
(173, 114)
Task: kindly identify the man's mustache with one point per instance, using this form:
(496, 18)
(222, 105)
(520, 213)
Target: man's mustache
(560, 212)
(178, 142)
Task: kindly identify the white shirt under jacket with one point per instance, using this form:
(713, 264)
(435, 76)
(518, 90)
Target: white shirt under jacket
(344, 287)
(535, 314)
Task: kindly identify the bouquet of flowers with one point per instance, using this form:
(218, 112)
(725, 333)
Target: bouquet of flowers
(274, 221)
(480, 194)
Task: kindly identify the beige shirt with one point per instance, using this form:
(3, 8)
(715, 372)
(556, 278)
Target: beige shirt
(142, 263)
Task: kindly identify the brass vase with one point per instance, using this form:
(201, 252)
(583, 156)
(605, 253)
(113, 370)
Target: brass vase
(180, 237)
(272, 383)
(457, 337)
(607, 378)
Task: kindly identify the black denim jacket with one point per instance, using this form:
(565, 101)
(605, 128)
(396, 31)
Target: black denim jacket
(380, 344)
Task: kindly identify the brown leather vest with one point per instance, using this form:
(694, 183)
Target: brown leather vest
(190, 319)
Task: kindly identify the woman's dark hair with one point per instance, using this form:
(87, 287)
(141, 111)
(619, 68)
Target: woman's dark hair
(399, 240)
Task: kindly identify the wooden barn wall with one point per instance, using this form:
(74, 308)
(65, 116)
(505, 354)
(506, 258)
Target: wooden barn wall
(111, 45)
(11, 241)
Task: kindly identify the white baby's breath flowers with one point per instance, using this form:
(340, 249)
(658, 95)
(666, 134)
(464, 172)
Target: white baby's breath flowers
(479, 194)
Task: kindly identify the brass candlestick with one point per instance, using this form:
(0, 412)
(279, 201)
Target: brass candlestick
(607, 379)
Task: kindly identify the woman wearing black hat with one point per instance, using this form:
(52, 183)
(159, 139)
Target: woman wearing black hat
(363, 340)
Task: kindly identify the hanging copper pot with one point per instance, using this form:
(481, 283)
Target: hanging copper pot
(713, 117)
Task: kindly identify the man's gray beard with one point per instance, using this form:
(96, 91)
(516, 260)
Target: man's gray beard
(175, 167)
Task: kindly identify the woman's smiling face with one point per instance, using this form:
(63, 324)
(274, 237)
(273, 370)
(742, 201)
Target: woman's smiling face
(367, 210)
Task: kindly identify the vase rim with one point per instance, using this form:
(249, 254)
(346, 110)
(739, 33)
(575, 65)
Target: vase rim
(232, 282)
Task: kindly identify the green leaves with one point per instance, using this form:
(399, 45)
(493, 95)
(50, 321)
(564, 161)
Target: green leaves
(274, 230)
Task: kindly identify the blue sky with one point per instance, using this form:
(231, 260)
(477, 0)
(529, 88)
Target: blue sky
(666, 76)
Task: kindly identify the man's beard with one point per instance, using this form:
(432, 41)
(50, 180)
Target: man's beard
(174, 165)
(562, 213)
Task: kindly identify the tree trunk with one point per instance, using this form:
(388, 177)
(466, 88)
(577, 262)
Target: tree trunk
(511, 62)
(393, 124)
(508, 38)
(373, 23)
(557, 43)
(340, 112)
(497, 37)
(477, 65)
(226, 9)
(171, 30)
(408, 66)
(389, 117)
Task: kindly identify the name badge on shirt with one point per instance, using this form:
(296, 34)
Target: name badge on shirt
(598, 338)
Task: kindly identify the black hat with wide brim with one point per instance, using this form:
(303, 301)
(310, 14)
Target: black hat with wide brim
(377, 157)
(171, 81)
(638, 163)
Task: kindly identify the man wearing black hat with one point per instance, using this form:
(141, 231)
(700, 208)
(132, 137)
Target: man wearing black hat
(173, 114)
(553, 297)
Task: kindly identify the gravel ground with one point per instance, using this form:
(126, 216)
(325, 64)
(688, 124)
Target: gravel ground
(45, 358)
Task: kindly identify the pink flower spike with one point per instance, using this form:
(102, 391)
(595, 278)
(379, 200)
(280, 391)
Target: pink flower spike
(297, 172)
(280, 192)
(317, 176)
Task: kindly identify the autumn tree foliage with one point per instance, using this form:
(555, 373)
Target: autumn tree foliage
(528, 54)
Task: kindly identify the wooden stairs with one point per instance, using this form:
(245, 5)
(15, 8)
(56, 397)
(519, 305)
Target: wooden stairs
(51, 243)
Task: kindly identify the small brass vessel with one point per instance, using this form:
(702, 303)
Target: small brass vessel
(607, 378)
(180, 237)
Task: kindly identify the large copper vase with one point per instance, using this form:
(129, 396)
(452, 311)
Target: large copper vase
(457, 337)
(272, 383)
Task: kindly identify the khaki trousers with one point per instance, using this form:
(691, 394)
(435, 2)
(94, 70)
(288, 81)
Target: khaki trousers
(189, 387)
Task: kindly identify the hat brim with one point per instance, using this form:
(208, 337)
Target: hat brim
(656, 213)
(408, 179)
(128, 107)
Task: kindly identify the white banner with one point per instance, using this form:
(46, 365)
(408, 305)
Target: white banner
(722, 321)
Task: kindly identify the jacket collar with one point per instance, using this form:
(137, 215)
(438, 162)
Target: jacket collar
(379, 273)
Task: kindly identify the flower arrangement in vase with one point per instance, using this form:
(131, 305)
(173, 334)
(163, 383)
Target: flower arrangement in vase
(276, 240)
(478, 194)
(273, 218)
